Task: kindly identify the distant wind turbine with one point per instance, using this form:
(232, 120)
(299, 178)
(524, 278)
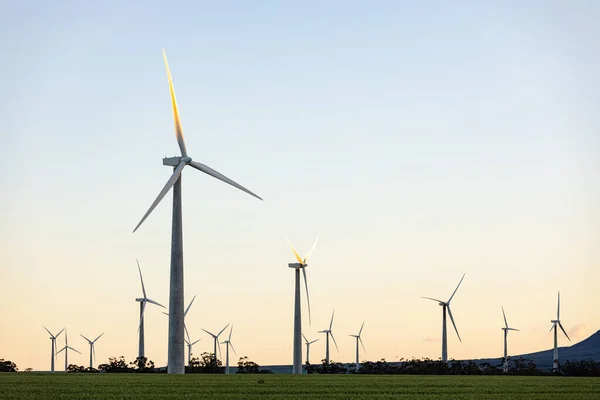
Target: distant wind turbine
(446, 306)
(176, 356)
(556, 324)
(328, 333)
(506, 329)
(228, 343)
(189, 345)
(300, 265)
(143, 301)
(358, 339)
(308, 348)
(66, 350)
(54, 348)
(216, 340)
(92, 348)
(184, 325)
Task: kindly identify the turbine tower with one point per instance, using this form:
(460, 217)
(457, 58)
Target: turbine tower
(446, 306)
(328, 333)
(53, 340)
(216, 340)
(176, 356)
(66, 349)
(300, 265)
(184, 325)
(92, 348)
(228, 343)
(308, 348)
(506, 329)
(143, 301)
(358, 339)
(556, 324)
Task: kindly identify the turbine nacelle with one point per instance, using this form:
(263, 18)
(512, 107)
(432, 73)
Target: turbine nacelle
(297, 265)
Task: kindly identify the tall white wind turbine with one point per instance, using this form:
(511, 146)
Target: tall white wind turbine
(54, 348)
(66, 350)
(228, 343)
(143, 301)
(190, 344)
(176, 356)
(555, 325)
(216, 340)
(446, 306)
(328, 333)
(300, 265)
(308, 343)
(506, 329)
(358, 339)
(92, 348)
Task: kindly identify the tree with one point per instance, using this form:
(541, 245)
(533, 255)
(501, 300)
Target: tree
(245, 366)
(8, 366)
(207, 363)
(115, 365)
(75, 368)
(142, 365)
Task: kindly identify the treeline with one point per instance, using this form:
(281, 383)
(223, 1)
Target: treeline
(426, 366)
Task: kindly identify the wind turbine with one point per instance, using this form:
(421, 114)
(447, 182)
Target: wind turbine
(506, 329)
(300, 265)
(143, 301)
(189, 345)
(216, 340)
(556, 323)
(92, 348)
(308, 348)
(176, 363)
(228, 343)
(328, 332)
(53, 339)
(446, 306)
(358, 339)
(66, 349)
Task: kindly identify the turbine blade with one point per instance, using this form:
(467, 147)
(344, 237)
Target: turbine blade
(163, 192)
(215, 174)
(219, 346)
(58, 334)
(513, 329)
(453, 324)
(89, 341)
(558, 308)
(222, 330)
(295, 252)
(141, 279)
(188, 307)
(552, 327)
(453, 293)
(505, 323)
(565, 332)
(49, 332)
(155, 303)
(305, 339)
(361, 328)
(362, 344)
(186, 341)
(208, 332)
(331, 323)
(233, 348)
(336, 346)
(186, 331)
(75, 350)
(60, 351)
(311, 251)
(230, 332)
(431, 298)
(94, 351)
(316, 340)
(178, 129)
(98, 337)
(307, 296)
(196, 341)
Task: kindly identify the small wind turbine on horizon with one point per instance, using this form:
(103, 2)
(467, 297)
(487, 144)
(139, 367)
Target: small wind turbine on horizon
(143, 301)
(506, 329)
(66, 350)
(328, 333)
(228, 343)
(446, 306)
(92, 348)
(308, 343)
(189, 344)
(300, 265)
(53, 340)
(556, 323)
(358, 339)
(176, 353)
(216, 340)
(184, 325)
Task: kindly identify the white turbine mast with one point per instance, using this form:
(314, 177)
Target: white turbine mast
(555, 325)
(216, 341)
(143, 301)
(228, 343)
(308, 343)
(92, 348)
(329, 332)
(66, 350)
(176, 353)
(359, 339)
(54, 347)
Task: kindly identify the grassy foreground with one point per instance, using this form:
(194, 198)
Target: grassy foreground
(141, 386)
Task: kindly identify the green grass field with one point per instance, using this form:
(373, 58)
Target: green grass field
(150, 386)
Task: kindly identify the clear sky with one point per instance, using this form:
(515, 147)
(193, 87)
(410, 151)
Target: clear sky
(419, 140)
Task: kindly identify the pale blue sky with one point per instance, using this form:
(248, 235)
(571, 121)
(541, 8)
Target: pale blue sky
(420, 140)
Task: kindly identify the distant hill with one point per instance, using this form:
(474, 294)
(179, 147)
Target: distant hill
(588, 349)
